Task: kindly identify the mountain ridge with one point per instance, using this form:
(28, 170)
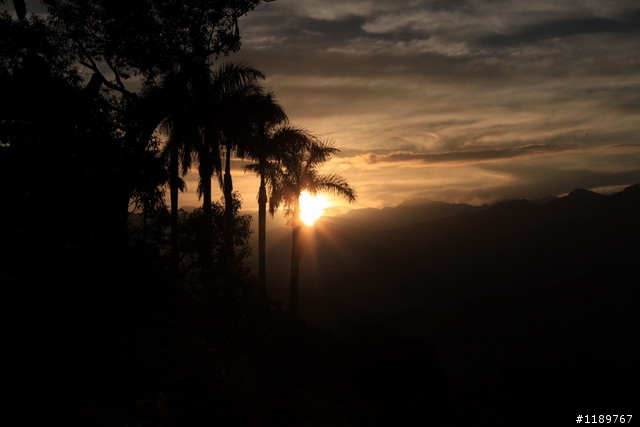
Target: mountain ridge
(520, 301)
(506, 247)
(408, 211)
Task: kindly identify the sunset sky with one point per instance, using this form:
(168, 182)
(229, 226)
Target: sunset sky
(461, 101)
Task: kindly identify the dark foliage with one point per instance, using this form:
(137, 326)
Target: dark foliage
(191, 238)
(530, 306)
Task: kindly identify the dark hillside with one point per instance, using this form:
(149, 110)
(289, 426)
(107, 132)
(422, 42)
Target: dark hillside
(582, 238)
(530, 307)
(406, 213)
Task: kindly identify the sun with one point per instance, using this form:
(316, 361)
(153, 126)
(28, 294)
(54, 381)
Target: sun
(312, 207)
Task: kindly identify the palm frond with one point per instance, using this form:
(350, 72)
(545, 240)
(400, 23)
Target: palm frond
(230, 76)
(336, 184)
(320, 152)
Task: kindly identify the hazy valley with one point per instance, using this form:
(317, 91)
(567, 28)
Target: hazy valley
(530, 294)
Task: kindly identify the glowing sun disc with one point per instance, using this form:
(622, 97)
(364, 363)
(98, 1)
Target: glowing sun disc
(311, 207)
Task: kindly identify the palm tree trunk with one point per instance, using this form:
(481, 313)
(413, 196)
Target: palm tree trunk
(173, 190)
(206, 254)
(262, 225)
(296, 253)
(228, 211)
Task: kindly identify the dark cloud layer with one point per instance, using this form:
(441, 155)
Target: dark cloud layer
(470, 156)
(565, 28)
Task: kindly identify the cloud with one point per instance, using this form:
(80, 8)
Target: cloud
(458, 97)
(545, 30)
(470, 156)
(456, 100)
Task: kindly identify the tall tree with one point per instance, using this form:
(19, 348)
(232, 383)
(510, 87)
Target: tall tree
(131, 48)
(299, 171)
(221, 97)
(266, 151)
(72, 140)
(262, 113)
(237, 95)
(209, 119)
(181, 129)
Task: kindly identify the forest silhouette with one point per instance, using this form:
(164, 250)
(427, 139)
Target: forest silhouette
(118, 309)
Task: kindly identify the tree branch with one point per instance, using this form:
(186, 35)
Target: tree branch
(93, 66)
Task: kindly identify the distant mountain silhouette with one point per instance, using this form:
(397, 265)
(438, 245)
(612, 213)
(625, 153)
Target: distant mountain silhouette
(524, 302)
(407, 212)
(424, 254)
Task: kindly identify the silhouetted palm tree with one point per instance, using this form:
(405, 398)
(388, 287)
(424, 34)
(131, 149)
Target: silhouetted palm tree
(182, 128)
(266, 153)
(299, 171)
(184, 125)
(210, 119)
(239, 98)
